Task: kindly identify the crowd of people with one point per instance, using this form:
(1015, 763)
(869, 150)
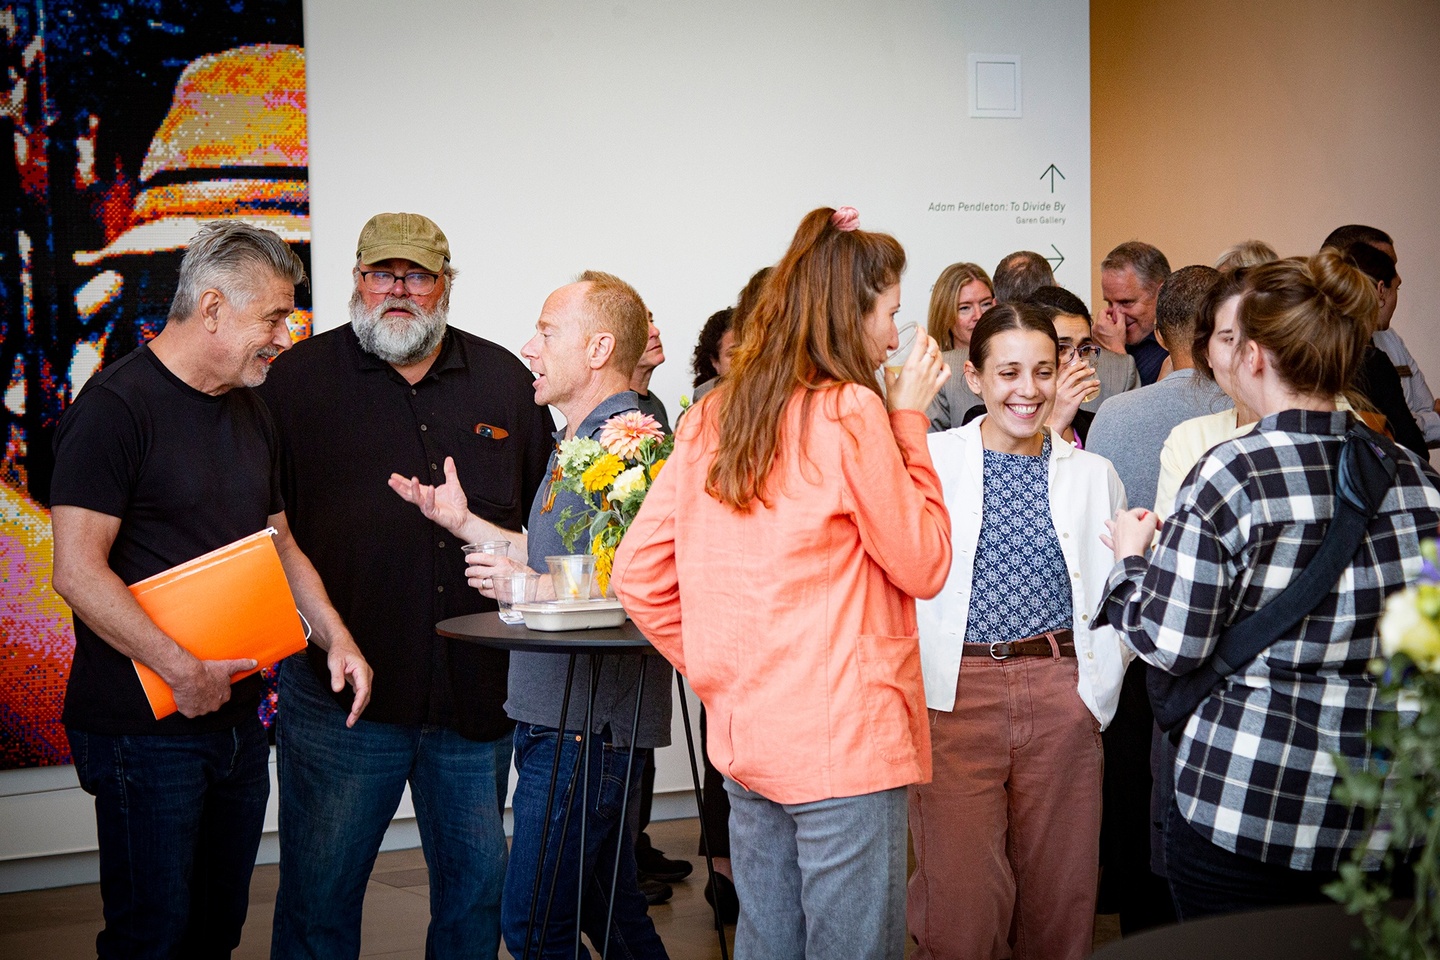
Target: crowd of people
(929, 597)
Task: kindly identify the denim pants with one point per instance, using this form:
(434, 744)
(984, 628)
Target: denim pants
(822, 880)
(339, 789)
(632, 934)
(1206, 880)
(179, 821)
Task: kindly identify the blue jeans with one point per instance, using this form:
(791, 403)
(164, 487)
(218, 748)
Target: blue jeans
(339, 790)
(179, 821)
(822, 880)
(1206, 880)
(606, 837)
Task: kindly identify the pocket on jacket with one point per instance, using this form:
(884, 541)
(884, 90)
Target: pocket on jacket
(893, 693)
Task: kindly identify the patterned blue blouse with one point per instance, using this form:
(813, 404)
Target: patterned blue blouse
(1021, 585)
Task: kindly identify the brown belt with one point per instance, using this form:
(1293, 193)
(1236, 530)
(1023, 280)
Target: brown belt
(1036, 646)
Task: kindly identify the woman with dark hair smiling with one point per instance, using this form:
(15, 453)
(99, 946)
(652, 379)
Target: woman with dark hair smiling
(1007, 834)
(775, 562)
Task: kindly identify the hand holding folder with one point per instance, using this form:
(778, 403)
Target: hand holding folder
(232, 603)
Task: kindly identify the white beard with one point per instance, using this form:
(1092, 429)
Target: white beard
(400, 342)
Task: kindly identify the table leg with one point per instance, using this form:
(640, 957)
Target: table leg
(586, 736)
(549, 808)
(624, 807)
(700, 809)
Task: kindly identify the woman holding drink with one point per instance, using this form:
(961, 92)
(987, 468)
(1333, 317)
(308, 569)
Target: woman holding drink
(774, 563)
(1007, 834)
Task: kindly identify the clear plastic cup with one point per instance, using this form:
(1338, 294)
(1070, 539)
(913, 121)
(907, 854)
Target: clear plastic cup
(896, 358)
(513, 588)
(1090, 362)
(572, 574)
(494, 548)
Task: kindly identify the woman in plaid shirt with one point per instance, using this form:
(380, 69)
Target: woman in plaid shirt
(1255, 822)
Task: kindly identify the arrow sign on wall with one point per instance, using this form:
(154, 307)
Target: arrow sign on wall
(1059, 257)
(1051, 171)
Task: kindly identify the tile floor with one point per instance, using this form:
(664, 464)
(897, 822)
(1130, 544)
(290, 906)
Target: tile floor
(61, 924)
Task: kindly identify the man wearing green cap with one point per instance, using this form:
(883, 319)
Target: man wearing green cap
(398, 389)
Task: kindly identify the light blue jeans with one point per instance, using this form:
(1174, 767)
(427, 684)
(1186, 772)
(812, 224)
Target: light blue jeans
(819, 881)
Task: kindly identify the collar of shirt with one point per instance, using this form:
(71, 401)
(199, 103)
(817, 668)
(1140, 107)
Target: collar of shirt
(622, 402)
(1331, 422)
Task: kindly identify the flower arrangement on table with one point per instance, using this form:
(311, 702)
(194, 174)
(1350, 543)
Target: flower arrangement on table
(611, 476)
(1401, 791)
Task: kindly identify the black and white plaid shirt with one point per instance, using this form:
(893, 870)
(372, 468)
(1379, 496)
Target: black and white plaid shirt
(1255, 768)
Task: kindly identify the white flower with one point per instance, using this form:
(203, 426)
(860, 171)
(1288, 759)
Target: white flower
(578, 451)
(631, 481)
(1404, 629)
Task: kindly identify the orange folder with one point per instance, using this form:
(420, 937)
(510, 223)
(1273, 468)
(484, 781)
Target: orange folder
(229, 603)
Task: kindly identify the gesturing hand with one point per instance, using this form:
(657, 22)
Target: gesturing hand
(446, 504)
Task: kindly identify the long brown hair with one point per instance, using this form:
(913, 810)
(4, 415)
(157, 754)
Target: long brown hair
(806, 333)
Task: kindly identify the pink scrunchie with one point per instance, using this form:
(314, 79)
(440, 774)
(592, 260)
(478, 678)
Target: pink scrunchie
(845, 218)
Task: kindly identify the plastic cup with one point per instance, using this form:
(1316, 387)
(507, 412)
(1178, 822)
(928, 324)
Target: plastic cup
(572, 574)
(493, 548)
(513, 588)
(1090, 362)
(896, 358)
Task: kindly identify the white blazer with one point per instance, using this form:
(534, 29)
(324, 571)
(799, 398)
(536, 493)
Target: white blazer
(1084, 492)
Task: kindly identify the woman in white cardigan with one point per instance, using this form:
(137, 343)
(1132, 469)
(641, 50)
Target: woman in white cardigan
(1007, 833)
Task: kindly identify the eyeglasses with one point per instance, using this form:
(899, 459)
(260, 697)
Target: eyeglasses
(1086, 352)
(383, 281)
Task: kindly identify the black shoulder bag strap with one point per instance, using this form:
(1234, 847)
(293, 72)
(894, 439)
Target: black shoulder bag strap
(1365, 474)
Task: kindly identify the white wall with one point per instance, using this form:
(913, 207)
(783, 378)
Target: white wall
(674, 145)
(678, 145)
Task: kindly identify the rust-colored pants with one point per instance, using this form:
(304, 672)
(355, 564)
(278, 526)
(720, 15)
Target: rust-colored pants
(1007, 834)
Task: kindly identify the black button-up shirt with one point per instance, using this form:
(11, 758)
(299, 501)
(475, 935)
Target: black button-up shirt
(346, 420)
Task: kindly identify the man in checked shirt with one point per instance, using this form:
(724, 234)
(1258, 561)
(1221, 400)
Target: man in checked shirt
(1254, 821)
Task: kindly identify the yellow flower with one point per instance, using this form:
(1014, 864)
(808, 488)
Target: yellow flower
(655, 468)
(604, 563)
(602, 473)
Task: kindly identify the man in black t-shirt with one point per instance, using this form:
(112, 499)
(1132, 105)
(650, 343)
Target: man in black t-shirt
(398, 389)
(164, 456)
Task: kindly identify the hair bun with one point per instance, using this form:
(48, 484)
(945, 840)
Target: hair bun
(1345, 286)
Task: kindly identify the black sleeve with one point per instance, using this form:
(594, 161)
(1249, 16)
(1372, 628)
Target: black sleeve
(1380, 383)
(98, 451)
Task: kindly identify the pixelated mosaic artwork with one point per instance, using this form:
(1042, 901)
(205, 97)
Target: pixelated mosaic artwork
(130, 123)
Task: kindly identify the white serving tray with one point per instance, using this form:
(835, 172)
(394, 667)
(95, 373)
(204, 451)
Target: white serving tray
(552, 616)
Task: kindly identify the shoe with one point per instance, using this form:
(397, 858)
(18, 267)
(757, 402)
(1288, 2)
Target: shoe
(729, 899)
(656, 891)
(651, 864)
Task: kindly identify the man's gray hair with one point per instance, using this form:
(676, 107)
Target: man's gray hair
(226, 255)
(1146, 260)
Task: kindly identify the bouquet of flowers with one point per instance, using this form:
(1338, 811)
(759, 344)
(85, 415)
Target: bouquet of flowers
(611, 476)
(1401, 790)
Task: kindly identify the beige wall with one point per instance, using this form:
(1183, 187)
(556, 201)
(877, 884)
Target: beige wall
(1214, 121)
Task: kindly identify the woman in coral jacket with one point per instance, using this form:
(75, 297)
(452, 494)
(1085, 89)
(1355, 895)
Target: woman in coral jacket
(1007, 834)
(775, 563)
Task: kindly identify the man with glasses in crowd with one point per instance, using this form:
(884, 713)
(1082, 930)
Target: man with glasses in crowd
(398, 390)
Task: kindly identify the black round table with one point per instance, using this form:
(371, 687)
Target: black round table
(489, 630)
